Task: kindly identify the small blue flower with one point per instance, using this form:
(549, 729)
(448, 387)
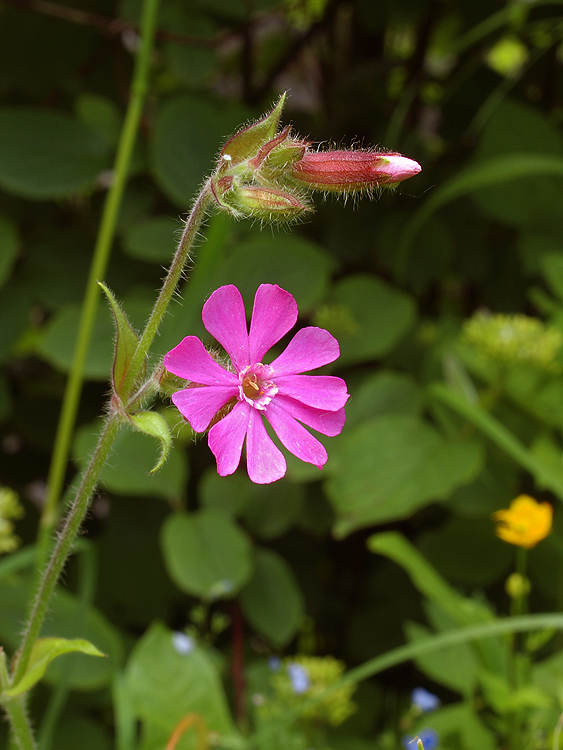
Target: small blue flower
(424, 700)
(429, 738)
(299, 677)
(274, 663)
(182, 643)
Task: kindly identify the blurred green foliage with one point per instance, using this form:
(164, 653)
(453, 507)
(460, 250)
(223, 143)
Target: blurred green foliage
(471, 90)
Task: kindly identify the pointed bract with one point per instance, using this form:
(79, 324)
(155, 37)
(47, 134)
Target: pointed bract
(126, 341)
(248, 141)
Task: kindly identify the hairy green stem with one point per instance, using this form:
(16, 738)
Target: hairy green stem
(90, 477)
(106, 233)
(20, 727)
(105, 442)
(21, 737)
(64, 544)
(87, 574)
(175, 271)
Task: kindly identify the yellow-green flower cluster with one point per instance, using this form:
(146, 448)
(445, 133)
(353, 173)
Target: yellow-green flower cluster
(320, 672)
(10, 510)
(513, 339)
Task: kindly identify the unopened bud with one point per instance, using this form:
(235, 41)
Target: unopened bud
(517, 586)
(266, 203)
(344, 171)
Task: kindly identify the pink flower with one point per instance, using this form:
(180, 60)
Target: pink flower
(277, 391)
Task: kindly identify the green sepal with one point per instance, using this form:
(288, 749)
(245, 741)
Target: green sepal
(284, 156)
(152, 423)
(126, 341)
(247, 142)
(42, 654)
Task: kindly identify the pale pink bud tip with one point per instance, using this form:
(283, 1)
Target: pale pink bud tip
(346, 171)
(400, 168)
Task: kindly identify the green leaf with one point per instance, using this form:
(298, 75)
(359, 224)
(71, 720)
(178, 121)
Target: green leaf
(516, 127)
(456, 666)
(43, 652)
(462, 610)
(449, 548)
(547, 675)
(272, 601)
(459, 726)
(9, 248)
(165, 684)
(206, 554)
(388, 467)
(379, 317)
(15, 309)
(152, 423)
(78, 729)
(100, 115)
(495, 171)
(57, 339)
(298, 265)
(267, 510)
(68, 619)
(126, 341)
(505, 699)
(152, 240)
(186, 136)
(5, 398)
(129, 470)
(384, 392)
(46, 154)
(552, 268)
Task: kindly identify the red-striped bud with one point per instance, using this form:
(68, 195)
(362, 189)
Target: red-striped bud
(345, 171)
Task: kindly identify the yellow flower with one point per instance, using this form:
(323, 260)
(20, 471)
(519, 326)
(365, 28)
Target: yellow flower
(525, 523)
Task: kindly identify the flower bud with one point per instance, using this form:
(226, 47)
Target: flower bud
(517, 586)
(344, 171)
(266, 203)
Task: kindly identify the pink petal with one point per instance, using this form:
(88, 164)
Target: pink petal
(191, 360)
(224, 317)
(295, 437)
(274, 314)
(200, 405)
(308, 349)
(327, 422)
(320, 391)
(265, 462)
(227, 436)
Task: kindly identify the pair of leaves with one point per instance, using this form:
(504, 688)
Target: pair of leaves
(126, 341)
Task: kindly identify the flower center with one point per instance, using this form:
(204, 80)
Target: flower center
(255, 386)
